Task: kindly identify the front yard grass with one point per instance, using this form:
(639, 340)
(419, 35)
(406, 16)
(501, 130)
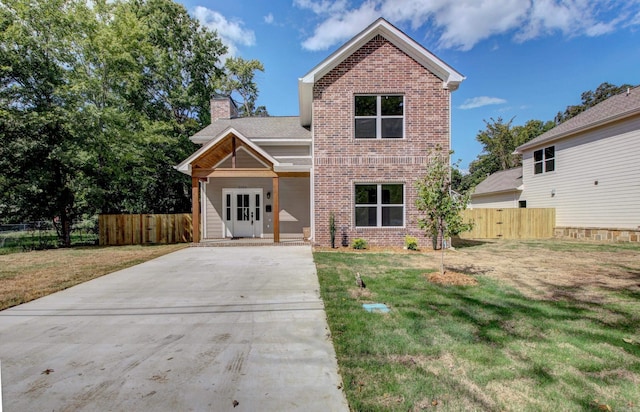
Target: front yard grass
(31, 275)
(485, 347)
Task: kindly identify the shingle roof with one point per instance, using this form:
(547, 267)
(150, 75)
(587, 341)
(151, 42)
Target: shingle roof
(614, 108)
(503, 181)
(286, 127)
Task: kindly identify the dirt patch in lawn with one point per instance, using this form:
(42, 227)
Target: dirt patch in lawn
(451, 278)
(553, 269)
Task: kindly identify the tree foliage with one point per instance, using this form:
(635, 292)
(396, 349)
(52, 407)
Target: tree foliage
(97, 101)
(240, 82)
(499, 140)
(442, 209)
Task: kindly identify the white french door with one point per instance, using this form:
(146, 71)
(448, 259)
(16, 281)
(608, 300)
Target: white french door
(242, 212)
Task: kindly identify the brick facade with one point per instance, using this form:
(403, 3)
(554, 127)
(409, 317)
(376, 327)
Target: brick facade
(341, 161)
(223, 108)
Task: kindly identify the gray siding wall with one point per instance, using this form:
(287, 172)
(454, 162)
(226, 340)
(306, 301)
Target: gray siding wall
(496, 201)
(609, 156)
(287, 150)
(294, 199)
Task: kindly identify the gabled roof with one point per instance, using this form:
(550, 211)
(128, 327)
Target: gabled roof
(185, 165)
(502, 181)
(615, 108)
(451, 79)
(264, 128)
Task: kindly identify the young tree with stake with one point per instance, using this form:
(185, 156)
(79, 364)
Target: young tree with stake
(441, 207)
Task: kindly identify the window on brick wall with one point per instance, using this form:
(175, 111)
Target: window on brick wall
(379, 205)
(544, 160)
(379, 117)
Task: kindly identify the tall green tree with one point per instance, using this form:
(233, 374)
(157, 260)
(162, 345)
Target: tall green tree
(240, 84)
(43, 176)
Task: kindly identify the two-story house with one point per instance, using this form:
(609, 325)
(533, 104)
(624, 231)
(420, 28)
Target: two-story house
(370, 114)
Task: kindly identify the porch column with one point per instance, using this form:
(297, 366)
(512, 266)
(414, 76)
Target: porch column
(195, 208)
(276, 210)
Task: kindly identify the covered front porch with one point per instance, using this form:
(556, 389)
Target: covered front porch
(240, 191)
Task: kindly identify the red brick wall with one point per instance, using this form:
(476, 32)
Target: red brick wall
(340, 160)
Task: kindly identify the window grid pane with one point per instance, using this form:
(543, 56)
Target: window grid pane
(366, 194)
(549, 165)
(537, 168)
(366, 216)
(257, 207)
(391, 105)
(366, 128)
(366, 105)
(392, 216)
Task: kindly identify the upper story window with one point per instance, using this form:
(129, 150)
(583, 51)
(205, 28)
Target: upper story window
(379, 117)
(544, 160)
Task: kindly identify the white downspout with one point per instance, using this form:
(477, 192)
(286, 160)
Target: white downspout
(312, 205)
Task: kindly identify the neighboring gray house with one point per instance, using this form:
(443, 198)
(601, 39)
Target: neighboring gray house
(588, 169)
(500, 190)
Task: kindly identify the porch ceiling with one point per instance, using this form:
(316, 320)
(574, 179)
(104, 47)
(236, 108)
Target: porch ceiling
(222, 149)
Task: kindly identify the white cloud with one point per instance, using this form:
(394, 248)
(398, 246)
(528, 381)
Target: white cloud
(461, 24)
(481, 101)
(232, 33)
(269, 18)
(340, 27)
(323, 6)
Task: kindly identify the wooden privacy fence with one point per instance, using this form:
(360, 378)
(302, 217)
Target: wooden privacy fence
(510, 223)
(117, 230)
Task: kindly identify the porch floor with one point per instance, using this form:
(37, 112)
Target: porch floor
(285, 240)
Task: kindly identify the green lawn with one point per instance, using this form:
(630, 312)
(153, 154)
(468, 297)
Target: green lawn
(485, 347)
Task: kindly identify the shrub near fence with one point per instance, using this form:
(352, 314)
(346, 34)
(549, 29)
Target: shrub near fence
(510, 223)
(117, 230)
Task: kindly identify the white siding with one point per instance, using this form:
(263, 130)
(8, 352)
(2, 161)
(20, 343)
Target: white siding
(609, 156)
(294, 198)
(496, 201)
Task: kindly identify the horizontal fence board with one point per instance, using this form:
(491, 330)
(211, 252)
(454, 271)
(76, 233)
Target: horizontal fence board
(118, 230)
(510, 223)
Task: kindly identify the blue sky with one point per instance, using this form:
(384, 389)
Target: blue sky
(522, 59)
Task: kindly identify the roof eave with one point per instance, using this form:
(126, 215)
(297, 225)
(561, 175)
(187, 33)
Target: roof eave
(621, 116)
(498, 192)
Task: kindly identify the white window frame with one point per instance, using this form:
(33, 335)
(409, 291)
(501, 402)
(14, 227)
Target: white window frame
(543, 161)
(378, 117)
(379, 205)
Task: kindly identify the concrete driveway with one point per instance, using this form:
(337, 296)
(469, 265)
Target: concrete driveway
(201, 329)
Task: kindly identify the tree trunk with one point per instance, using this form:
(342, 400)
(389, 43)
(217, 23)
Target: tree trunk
(65, 230)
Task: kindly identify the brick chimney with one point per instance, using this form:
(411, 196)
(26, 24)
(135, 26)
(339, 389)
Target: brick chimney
(223, 107)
